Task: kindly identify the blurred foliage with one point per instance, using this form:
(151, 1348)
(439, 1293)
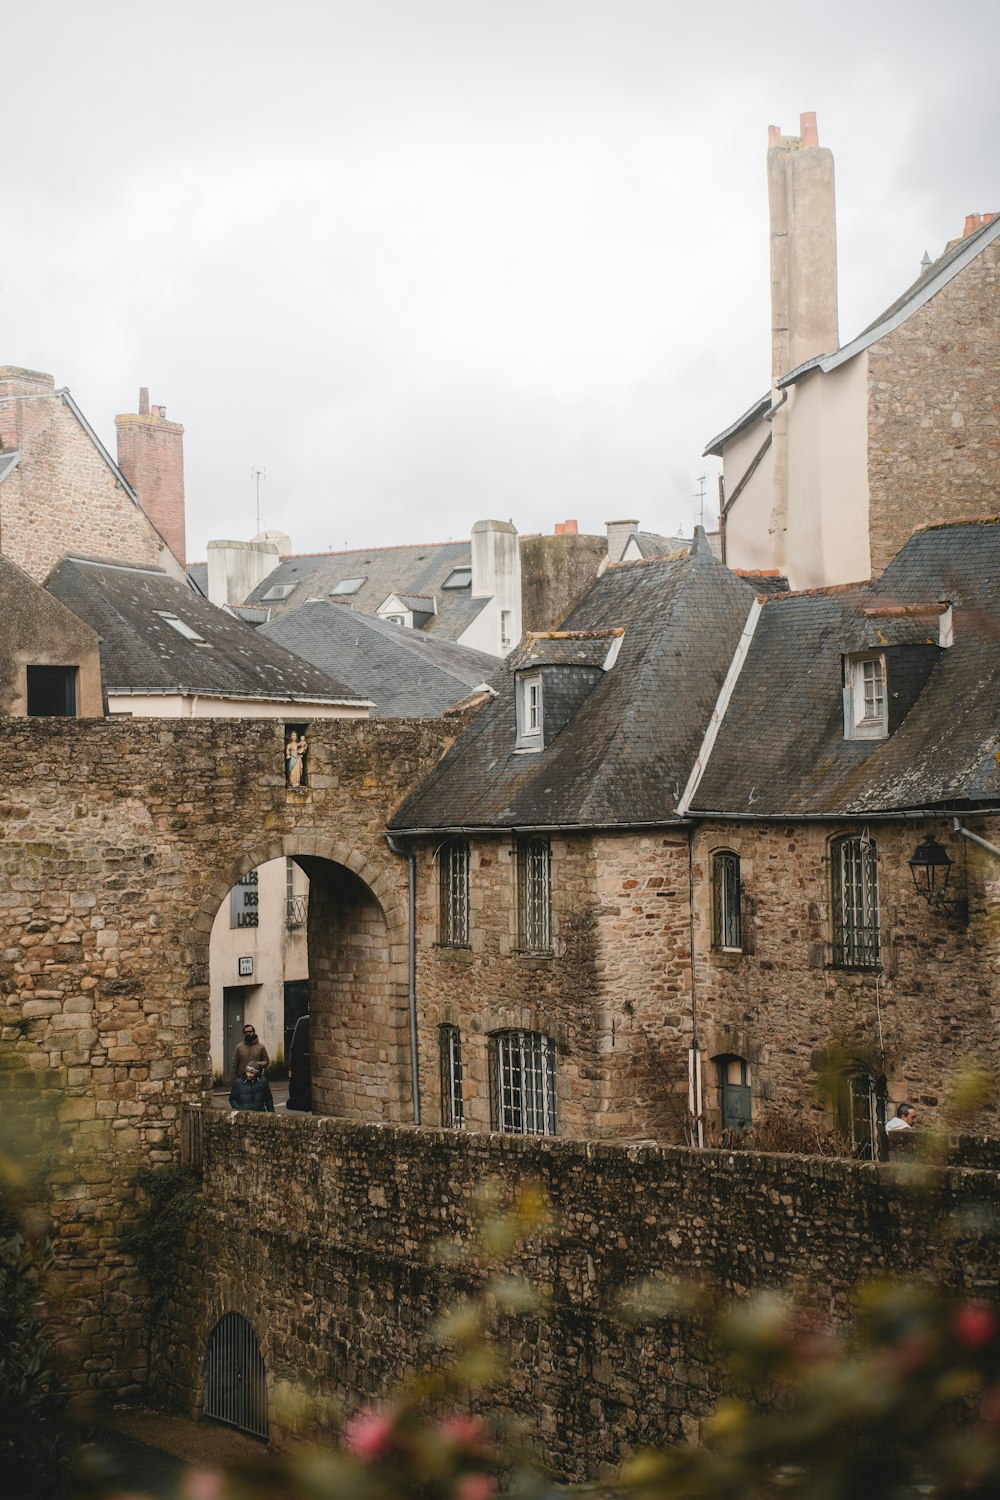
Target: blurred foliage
(156, 1236)
(35, 1441)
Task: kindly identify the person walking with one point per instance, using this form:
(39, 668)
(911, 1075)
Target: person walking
(252, 1091)
(250, 1050)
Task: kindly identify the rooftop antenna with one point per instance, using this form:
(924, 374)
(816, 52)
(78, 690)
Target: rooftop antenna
(700, 496)
(258, 475)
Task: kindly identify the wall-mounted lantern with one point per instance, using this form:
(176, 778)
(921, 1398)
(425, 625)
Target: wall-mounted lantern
(931, 866)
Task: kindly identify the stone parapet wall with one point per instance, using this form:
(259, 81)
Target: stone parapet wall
(324, 1236)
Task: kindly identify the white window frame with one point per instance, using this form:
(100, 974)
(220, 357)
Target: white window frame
(530, 711)
(506, 625)
(523, 1083)
(866, 712)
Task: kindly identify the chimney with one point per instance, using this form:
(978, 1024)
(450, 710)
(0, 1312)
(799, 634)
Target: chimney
(618, 535)
(151, 456)
(803, 247)
(566, 528)
(16, 386)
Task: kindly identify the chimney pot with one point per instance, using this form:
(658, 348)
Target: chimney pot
(560, 528)
(807, 129)
(774, 135)
(972, 223)
(144, 401)
(570, 528)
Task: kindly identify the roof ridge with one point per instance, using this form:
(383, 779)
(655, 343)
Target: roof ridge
(395, 547)
(649, 562)
(831, 588)
(574, 635)
(957, 521)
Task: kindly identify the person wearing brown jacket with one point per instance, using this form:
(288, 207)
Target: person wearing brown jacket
(250, 1050)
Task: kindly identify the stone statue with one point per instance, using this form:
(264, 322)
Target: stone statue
(296, 749)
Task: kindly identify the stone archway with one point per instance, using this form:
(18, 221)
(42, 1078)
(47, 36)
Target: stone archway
(357, 942)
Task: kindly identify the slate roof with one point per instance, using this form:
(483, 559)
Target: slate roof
(781, 747)
(405, 673)
(143, 653)
(624, 757)
(418, 570)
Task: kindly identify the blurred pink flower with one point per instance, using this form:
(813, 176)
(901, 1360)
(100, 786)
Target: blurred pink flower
(368, 1434)
(203, 1484)
(476, 1487)
(975, 1325)
(463, 1431)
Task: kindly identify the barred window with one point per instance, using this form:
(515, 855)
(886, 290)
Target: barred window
(726, 900)
(453, 872)
(858, 1110)
(523, 1083)
(534, 895)
(854, 872)
(452, 1107)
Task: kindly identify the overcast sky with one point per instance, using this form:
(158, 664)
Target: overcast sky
(428, 261)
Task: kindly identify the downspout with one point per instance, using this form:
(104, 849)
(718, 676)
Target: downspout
(411, 859)
(694, 1051)
(968, 834)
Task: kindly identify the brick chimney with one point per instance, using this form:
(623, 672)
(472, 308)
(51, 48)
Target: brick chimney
(151, 456)
(17, 386)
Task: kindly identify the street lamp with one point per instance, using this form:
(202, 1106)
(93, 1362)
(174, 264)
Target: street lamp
(931, 866)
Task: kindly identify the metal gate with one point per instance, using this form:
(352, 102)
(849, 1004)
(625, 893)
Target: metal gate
(235, 1378)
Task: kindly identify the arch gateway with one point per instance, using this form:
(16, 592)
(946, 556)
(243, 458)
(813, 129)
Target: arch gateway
(119, 839)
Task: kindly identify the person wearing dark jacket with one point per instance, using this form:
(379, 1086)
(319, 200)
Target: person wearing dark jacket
(252, 1092)
(250, 1050)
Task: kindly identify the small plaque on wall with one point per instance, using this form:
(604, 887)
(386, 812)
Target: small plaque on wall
(244, 967)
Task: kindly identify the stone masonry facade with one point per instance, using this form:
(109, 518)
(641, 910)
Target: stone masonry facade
(934, 411)
(325, 1236)
(120, 842)
(95, 516)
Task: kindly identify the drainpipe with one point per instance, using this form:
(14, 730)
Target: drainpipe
(968, 834)
(411, 859)
(694, 1051)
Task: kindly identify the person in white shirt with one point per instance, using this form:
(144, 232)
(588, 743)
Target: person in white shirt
(905, 1118)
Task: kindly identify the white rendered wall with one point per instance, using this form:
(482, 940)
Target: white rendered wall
(194, 706)
(278, 953)
(748, 543)
(827, 540)
(236, 568)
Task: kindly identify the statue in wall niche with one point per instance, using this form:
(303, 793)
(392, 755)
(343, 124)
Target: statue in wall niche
(296, 750)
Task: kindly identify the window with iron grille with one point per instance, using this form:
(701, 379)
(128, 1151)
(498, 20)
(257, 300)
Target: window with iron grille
(858, 1110)
(453, 873)
(452, 1107)
(534, 896)
(523, 1083)
(854, 871)
(726, 931)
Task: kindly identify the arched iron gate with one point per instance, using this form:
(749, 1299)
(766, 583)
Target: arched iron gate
(235, 1378)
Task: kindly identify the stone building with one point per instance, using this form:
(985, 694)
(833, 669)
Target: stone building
(664, 877)
(61, 491)
(854, 445)
(50, 661)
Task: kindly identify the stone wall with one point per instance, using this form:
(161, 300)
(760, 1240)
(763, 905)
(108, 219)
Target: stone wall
(780, 1001)
(934, 412)
(324, 1236)
(120, 840)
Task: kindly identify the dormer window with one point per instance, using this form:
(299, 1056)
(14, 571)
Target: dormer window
(529, 711)
(865, 715)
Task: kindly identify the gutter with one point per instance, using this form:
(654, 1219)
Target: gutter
(411, 860)
(527, 828)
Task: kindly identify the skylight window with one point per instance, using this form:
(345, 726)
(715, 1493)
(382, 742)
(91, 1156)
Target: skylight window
(458, 578)
(181, 627)
(347, 586)
(280, 591)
